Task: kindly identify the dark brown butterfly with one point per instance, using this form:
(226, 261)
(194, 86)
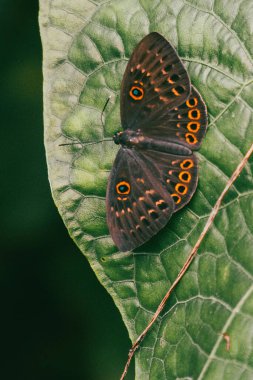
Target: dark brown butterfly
(164, 119)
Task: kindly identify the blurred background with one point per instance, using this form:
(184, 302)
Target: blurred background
(57, 321)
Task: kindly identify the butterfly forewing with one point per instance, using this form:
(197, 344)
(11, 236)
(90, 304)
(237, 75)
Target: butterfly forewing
(190, 121)
(137, 205)
(155, 81)
(185, 124)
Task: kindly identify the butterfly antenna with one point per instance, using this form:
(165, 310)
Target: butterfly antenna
(87, 142)
(74, 143)
(103, 110)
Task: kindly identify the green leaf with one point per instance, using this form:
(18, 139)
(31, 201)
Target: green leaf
(86, 47)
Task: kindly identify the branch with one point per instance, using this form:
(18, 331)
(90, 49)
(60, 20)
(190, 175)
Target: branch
(189, 260)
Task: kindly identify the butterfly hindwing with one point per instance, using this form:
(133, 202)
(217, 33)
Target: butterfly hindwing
(138, 206)
(178, 174)
(155, 81)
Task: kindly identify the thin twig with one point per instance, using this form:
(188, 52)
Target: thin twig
(189, 259)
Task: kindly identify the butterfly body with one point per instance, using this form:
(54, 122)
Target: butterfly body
(164, 120)
(135, 139)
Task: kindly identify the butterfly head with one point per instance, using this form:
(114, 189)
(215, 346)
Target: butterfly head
(117, 138)
(128, 138)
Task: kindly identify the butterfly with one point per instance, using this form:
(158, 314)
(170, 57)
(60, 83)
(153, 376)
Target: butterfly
(164, 119)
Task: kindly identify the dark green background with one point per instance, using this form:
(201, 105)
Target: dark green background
(56, 319)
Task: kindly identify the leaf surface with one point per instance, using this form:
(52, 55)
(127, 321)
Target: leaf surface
(86, 48)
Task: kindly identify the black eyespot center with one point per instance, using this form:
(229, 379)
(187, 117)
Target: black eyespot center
(181, 189)
(194, 126)
(154, 214)
(136, 92)
(174, 77)
(123, 188)
(194, 113)
(192, 102)
(180, 89)
(162, 206)
(145, 222)
(190, 137)
(168, 68)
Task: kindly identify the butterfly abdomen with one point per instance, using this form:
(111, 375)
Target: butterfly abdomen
(130, 139)
(164, 146)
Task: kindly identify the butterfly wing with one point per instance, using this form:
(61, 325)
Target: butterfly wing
(138, 206)
(146, 186)
(155, 81)
(185, 124)
(178, 174)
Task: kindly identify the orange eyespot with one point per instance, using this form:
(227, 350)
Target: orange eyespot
(185, 176)
(194, 114)
(192, 102)
(136, 92)
(123, 187)
(181, 188)
(186, 164)
(176, 198)
(190, 138)
(193, 126)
